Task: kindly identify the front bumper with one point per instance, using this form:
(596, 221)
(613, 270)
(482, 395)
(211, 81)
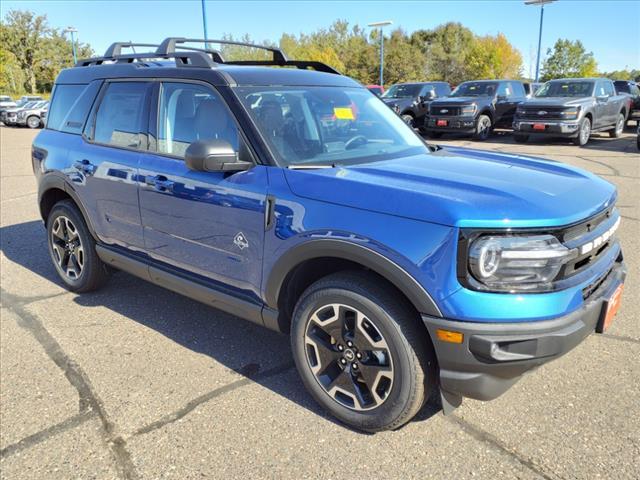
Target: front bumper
(493, 356)
(556, 128)
(455, 124)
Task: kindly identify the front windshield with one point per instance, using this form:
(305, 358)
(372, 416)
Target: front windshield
(565, 89)
(410, 90)
(5, 99)
(475, 89)
(29, 105)
(328, 125)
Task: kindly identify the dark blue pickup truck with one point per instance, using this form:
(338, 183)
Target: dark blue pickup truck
(289, 195)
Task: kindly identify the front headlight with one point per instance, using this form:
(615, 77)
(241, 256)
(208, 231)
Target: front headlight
(571, 113)
(468, 110)
(502, 263)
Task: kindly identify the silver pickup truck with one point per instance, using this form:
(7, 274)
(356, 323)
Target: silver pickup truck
(573, 108)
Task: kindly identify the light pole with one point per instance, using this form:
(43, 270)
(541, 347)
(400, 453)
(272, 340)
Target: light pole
(204, 19)
(381, 25)
(542, 4)
(72, 30)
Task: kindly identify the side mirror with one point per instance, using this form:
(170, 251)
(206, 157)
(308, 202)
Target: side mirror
(214, 156)
(602, 98)
(501, 98)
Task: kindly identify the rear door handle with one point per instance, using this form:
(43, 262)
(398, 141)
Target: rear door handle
(85, 166)
(159, 182)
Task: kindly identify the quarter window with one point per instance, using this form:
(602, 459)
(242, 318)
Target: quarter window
(191, 112)
(122, 116)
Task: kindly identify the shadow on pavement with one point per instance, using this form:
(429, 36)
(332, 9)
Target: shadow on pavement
(248, 349)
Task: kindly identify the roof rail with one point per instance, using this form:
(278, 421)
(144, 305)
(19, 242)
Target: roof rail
(115, 49)
(301, 64)
(170, 44)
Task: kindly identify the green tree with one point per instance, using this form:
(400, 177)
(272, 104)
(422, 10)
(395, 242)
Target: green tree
(568, 59)
(404, 61)
(23, 34)
(447, 49)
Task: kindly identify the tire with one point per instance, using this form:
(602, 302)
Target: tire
(519, 138)
(379, 320)
(619, 128)
(72, 249)
(584, 132)
(33, 121)
(483, 128)
(409, 119)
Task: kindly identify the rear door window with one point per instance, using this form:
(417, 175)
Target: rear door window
(122, 117)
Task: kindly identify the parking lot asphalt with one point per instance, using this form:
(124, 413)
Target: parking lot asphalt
(134, 381)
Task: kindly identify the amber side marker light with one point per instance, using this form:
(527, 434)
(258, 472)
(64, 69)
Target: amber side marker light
(449, 336)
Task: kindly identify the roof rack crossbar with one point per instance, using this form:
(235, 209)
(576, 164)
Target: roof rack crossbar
(182, 59)
(169, 45)
(115, 49)
(301, 64)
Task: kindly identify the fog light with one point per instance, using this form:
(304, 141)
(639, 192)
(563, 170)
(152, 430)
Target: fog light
(449, 336)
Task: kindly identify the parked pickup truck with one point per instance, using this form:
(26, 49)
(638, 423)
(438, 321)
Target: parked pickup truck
(411, 100)
(475, 108)
(574, 108)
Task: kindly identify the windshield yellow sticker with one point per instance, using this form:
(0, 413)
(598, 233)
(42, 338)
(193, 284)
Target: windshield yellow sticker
(343, 113)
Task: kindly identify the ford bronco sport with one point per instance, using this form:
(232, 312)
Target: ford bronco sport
(294, 198)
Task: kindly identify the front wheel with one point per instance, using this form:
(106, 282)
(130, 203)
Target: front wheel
(617, 131)
(408, 119)
(361, 352)
(33, 122)
(483, 128)
(583, 133)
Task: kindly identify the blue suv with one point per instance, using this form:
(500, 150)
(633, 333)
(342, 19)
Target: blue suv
(289, 195)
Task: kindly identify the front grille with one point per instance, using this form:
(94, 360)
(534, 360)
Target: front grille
(575, 236)
(445, 110)
(541, 113)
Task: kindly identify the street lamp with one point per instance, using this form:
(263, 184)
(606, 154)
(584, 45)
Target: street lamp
(381, 25)
(72, 30)
(204, 20)
(542, 3)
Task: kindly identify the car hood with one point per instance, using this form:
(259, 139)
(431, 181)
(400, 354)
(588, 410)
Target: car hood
(460, 100)
(555, 101)
(400, 102)
(462, 187)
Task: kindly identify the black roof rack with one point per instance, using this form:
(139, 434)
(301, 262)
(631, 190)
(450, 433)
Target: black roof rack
(173, 48)
(170, 44)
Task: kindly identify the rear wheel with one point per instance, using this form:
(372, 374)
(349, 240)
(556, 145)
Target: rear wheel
(584, 132)
(617, 131)
(72, 249)
(519, 138)
(361, 352)
(483, 128)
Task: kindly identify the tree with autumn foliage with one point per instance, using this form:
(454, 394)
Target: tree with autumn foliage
(493, 57)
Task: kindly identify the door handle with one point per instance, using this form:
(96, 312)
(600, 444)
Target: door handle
(85, 166)
(159, 182)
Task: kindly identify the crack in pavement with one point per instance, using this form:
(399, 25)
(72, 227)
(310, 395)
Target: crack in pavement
(616, 172)
(627, 217)
(622, 338)
(486, 437)
(43, 435)
(88, 399)
(252, 376)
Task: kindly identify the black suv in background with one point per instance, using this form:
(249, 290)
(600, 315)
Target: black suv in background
(476, 108)
(632, 91)
(411, 100)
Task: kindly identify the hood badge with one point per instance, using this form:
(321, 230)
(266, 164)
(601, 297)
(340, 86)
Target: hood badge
(542, 112)
(240, 241)
(443, 110)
